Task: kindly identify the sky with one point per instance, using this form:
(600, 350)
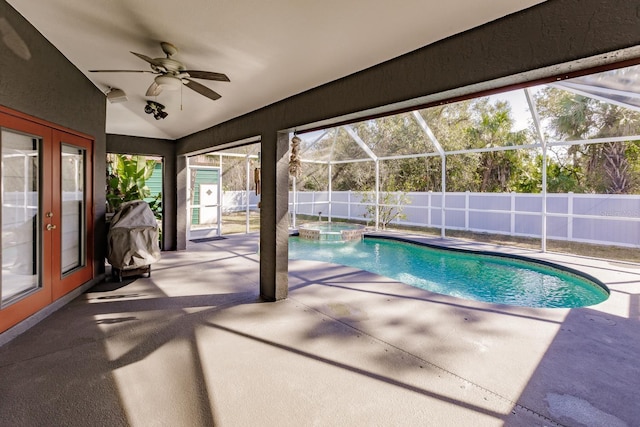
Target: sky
(519, 107)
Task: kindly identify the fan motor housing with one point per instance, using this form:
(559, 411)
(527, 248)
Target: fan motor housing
(171, 65)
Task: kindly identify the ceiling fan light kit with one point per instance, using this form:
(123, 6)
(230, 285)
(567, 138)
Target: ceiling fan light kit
(168, 82)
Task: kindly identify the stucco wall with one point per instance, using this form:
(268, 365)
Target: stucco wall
(44, 84)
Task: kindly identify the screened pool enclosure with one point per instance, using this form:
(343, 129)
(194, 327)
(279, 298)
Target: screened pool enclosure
(559, 161)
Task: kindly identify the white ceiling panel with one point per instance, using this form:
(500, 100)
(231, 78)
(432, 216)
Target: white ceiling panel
(269, 49)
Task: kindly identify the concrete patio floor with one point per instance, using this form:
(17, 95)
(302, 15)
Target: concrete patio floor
(193, 345)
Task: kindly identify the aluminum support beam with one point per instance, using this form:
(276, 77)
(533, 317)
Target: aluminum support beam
(427, 130)
(377, 194)
(352, 133)
(604, 90)
(432, 137)
(571, 88)
(330, 169)
(220, 195)
(322, 135)
(247, 193)
(536, 121)
(593, 141)
(491, 149)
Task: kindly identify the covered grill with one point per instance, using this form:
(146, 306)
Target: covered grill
(133, 240)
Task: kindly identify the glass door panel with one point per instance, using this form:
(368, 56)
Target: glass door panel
(72, 251)
(21, 239)
(71, 202)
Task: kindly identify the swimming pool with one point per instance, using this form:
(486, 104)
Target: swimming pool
(489, 278)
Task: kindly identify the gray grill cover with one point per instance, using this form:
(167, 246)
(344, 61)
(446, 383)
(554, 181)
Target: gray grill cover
(133, 237)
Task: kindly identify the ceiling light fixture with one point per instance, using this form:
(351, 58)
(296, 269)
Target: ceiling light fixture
(156, 109)
(116, 95)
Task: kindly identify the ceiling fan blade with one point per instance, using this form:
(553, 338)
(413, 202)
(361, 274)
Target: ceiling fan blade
(202, 89)
(154, 90)
(149, 60)
(120, 71)
(207, 75)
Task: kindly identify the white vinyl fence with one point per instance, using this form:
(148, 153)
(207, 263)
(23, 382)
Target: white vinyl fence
(605, 219)
(236, 201)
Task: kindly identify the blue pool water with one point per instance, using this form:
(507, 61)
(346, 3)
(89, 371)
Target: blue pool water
(494, 279)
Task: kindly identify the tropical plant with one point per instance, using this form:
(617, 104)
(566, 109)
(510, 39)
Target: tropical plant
(127, 180)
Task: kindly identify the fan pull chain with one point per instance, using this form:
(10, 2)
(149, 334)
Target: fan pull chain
(181, 86)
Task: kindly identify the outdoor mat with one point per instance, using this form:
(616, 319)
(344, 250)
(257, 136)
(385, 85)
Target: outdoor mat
(207, 239)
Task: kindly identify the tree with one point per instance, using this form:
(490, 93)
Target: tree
(463, 125)
(497, 170)
(449, 123)
(604, 168)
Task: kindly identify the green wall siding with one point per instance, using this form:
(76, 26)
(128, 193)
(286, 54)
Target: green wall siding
(155, 183)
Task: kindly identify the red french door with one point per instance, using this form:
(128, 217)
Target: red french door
(47, 238)
(72, 242)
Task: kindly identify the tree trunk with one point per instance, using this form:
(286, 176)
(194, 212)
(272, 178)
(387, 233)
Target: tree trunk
(617, 167)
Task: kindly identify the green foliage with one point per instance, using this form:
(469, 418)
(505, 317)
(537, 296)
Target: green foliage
(127, 180)
(497, 171)
(481, 124)
(599, 168)
(561, 178)
(633, 156)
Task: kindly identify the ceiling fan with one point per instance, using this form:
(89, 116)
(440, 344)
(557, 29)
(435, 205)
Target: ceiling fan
(172, 74)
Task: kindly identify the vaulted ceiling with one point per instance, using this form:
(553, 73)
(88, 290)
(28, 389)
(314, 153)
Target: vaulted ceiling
(270, 50)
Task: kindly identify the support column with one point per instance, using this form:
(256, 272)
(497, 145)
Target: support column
(543, 144)
(329, 168)
(182, 189)
(294, 205)
(543, 245)
(220, 199)
(377, 194)
(274, 220)
(443, 201)
(247, 194)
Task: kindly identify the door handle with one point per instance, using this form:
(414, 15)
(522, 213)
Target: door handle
(50, 227)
